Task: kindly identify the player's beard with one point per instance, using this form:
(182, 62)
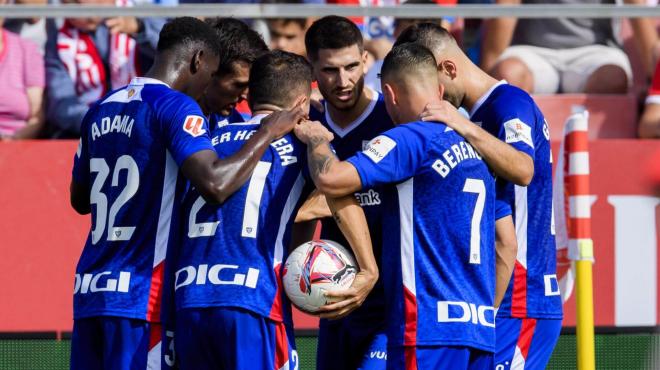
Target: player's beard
(357, 90)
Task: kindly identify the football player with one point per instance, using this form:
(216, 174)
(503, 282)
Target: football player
(126, 173)
(354, 115)
(509, 130)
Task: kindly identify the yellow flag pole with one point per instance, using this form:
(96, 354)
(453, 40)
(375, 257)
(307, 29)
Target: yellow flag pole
(577, 185)
(586, 350)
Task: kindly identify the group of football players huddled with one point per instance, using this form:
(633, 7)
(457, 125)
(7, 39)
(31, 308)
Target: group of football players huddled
(194, 207)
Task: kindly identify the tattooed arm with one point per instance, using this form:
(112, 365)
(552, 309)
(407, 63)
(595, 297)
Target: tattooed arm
(331, 176)
(351, 221)
(338, 181)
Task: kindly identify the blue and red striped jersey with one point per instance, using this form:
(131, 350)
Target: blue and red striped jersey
(231, 255)
(510, 114)
(439, 235)
(132, 144)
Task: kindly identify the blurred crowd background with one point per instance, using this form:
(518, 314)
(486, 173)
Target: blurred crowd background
(52, 69)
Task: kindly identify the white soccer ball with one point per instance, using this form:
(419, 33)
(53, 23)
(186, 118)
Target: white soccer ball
(314, 268)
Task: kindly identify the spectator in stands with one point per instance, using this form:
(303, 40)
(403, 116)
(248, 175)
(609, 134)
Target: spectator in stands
(378, 48)
(87, 57)
(287, 34)
(33, 29)
(21, 95)
(649, 124)
(556, 55)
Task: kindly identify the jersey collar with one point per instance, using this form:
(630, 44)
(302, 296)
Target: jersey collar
(147, 80)
(485, 96)
(353, 125)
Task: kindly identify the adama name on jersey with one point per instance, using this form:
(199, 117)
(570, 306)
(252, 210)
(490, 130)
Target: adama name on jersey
(283, 146)
(118, 124)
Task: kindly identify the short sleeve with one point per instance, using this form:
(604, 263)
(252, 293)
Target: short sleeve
(518, 128)
(654, 90)
(389, 158)
(502, 209)
(35, 73)
(186, 128)
(81, 159)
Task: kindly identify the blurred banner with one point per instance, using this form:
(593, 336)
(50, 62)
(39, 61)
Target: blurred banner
(41, 236)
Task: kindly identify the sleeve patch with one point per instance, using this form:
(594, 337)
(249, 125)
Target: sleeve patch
(378, 148)
(516, 130)
(194, 125)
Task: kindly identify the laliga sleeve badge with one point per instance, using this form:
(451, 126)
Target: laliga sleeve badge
(194, 125)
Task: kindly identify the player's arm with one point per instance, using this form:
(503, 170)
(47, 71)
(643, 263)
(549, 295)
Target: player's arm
(332, 177)
(505, 160)
(350, 218)
(80, 198)
(506, 248)
(497, 37)
(218, 178)
(315, 207)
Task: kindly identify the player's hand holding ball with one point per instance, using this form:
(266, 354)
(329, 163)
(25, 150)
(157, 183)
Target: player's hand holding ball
(321, 277)
(347, 300)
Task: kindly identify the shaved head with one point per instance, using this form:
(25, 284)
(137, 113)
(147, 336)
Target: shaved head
(453, 64)
(429, 35)
(409, 64)
(409, 79)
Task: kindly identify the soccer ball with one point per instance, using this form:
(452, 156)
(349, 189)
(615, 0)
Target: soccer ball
(315, 267)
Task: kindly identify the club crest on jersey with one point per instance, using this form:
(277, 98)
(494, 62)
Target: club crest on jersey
(194, 125)
(378, 148)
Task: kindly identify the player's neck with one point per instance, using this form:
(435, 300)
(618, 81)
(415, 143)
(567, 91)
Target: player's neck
(168, 73)
(343, 118)
(477, 84)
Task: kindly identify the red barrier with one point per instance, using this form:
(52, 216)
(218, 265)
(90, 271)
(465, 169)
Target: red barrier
(41, 236)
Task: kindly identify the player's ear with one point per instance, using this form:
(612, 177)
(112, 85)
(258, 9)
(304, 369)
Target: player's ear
(365, 57)
(448, 68)
(196, 61)
(389, 94)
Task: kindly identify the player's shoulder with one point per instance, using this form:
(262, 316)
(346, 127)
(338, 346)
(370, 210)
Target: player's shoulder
(514, 99)
(162, 99)
(415, 133)
(424, 128)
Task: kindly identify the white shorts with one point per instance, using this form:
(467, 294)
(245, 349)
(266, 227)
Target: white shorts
(566, 70)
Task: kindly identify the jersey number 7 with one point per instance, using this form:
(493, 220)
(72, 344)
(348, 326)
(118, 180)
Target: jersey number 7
(476, 186)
